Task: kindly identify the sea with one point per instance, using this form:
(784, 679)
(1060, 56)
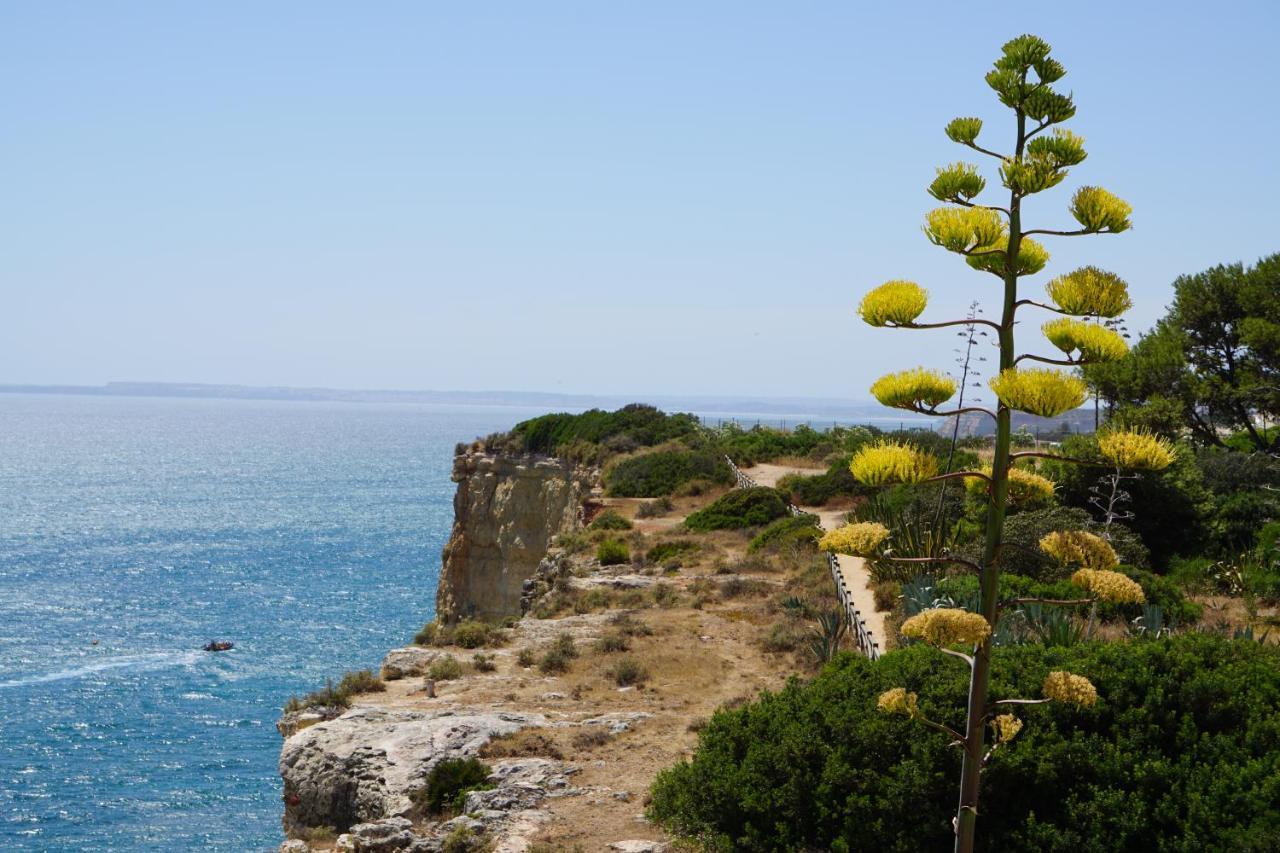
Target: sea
(134, 530)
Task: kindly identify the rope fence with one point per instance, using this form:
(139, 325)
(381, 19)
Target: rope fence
(862, 634)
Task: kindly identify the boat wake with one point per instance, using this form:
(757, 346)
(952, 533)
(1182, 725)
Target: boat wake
(152, 660)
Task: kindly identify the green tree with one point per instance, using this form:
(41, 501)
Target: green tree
(1212, 363)
(994, 239)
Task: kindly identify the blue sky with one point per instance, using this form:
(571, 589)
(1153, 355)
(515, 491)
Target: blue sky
(595, 197)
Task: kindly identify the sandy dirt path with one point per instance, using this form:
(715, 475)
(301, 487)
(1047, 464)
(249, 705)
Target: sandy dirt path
(854, 569)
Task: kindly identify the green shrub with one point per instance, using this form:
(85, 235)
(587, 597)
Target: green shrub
(664, 551)
(613, 552)
(739, 508)
(483, 662)
(427, 634)
(360, 681)
(473, 635)
(1181, 753)
(611, 643)
(449, 782)
(1025, 530)
(610, 520)
(663, 472)
(554, 661)
(1269, 541)
(628, 672)
(793, 530)
(638, 424)
(526, 657)
(445, 668)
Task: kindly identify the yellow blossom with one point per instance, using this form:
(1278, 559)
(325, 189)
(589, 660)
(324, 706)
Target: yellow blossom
(1110, 586)
(1095, 343)
(963, 229)
(1031, 257)
(1133, 449)
(862, 539)
(1027, 489)
(1098, 210)
(946, 626)
(957, 182)
(1090, 291)
(917, 388)
(1047, 393)
(1069, 687)
(894, 303)
(899, 701)
(892, 462)
(1006, 727)
(1080, 548)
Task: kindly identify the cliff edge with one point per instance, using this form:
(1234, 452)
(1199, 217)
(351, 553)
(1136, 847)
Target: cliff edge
(506, 511)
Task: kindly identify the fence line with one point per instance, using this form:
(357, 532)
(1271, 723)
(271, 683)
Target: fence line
(866, 642)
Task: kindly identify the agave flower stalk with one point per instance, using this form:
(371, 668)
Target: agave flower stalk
(993, 239)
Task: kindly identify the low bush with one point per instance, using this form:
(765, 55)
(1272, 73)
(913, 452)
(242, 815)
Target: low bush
(361, 681)
(613, 552)
(610, 643)
(338, 695)
(792, 531)
(1024, 531)
(445, 668)
(739, 508)
(1181, 753)
(610, 520)
(448, 784)
(655, 508)
(483, 662)
(629, 626)
(640, 425)
(628, 672)
(525, 742)
(526, 657)
(663, 472)
(469, 634)
(664, 551)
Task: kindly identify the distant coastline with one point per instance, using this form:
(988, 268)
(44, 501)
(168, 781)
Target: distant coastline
(776, 407)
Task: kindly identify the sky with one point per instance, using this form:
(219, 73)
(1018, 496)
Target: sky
(647, 198)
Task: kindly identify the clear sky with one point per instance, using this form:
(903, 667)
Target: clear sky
(684, 197)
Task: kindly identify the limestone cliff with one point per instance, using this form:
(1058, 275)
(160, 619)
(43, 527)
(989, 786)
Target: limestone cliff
(506, 511)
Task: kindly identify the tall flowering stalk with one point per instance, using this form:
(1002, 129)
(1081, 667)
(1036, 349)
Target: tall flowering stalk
(993, 239)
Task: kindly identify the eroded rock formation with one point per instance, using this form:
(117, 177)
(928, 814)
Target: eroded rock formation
(505, 514)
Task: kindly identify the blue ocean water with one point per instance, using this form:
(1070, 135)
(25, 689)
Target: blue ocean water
(307, 533)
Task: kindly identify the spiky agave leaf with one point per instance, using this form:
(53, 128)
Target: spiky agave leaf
(917, 388)
(1090, 292)
(957, 182)
(963, 229)
(1047, 393)
(1099, 211)
(896, 303)
(1094, 342)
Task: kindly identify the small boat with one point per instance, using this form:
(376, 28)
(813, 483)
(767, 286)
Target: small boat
(219, 646)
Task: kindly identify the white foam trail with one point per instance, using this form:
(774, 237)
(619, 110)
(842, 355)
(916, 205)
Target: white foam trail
(154, 660)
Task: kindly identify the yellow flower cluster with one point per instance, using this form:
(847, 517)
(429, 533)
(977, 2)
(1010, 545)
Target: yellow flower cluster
(1109, 586)
(1090, 291)
(899, 701)
(946, 626)
(1062, 148)
(957, 182)
(1080, 548)
(1027, 489)
(892, 462)
(896, 303)
(963, 229)
(1098, 210)
(1069, 687)
(862, 539)
(917, 388)
(1031, 174)
(1095, 343)
(1031, 257)
(1133, 449)
(1047, 393)
(1006, 727)
(963, 130)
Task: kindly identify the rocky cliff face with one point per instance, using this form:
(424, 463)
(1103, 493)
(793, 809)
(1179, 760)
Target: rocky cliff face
(505, 513)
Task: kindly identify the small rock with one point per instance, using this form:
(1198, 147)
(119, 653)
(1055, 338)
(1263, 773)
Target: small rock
(383, 836)
(624, 796)
(295, 846)
(639, 846)
(549, 696)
